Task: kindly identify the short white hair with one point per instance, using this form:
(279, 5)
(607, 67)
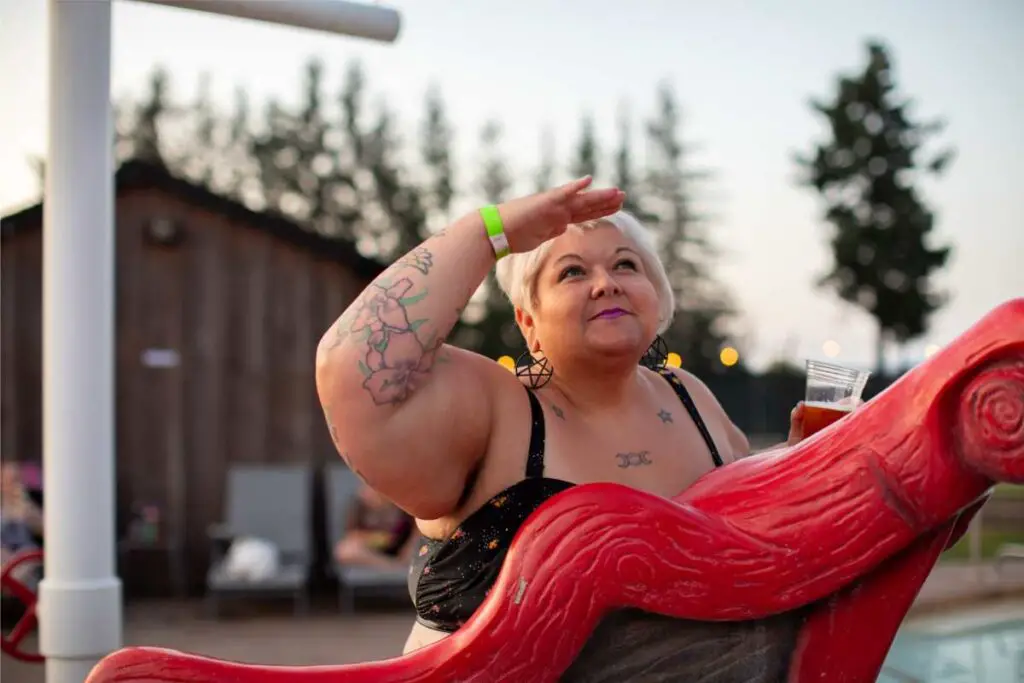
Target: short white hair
(517, 273)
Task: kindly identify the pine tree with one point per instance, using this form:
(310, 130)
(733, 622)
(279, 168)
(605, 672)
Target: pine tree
(403, 225)
(311, 181)
(866, 173)
(545, 176)
(495, 333)
(240, 171)
(149, 116)
(270, 150)
(587, 153)
(350, 195)
(436, 150)
(697, 332)
(300, 170)
(203, 154)
(495, 180)
(625, 174)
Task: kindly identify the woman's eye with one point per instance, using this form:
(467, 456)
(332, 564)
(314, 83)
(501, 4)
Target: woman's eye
(570, 271)
(627, 263)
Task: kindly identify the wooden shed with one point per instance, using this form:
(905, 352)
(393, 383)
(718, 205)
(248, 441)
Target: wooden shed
(219, 310)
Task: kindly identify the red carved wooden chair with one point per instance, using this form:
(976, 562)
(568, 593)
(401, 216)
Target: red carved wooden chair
(20, 592)
(767, 570)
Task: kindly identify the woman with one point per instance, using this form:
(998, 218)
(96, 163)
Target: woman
(456, 440)
(377, 533)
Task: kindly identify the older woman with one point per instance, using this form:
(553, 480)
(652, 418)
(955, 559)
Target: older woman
(458, 442)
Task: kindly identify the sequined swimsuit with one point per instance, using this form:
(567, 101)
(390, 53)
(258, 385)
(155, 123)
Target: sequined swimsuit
(450, 578)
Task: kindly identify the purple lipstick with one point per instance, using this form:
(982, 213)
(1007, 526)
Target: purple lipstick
(610, 314)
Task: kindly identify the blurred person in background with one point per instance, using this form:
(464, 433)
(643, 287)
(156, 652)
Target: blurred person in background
(377, 533)
(21, 519)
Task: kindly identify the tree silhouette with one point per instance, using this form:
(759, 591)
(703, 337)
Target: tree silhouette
(587, 152)
(297, 170)
(625, 177)
(496, 332)
(867, 174)
(436, 149)
(341, 170)
(351, 197)
(545, 175)
(697, 332)
(239, 170)
(495, 179)
(403, 224)
(203, 156)
(145, 141)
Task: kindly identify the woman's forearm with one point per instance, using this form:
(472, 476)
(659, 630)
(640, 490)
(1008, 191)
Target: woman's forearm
(384, 345)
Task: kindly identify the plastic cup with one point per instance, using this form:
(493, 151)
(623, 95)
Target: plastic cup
(833, 391)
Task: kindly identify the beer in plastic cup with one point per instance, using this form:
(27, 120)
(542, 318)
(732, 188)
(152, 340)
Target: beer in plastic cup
(832, 392)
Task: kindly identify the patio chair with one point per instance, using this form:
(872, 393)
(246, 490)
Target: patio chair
(1009, 552)
(272, 503)
(340, 487)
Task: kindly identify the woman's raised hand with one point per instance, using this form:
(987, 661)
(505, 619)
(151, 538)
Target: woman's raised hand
(531, 221)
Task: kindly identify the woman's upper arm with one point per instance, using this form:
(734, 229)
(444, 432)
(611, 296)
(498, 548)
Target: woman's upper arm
(421, 456)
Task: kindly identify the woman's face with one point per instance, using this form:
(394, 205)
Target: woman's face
(592, 296)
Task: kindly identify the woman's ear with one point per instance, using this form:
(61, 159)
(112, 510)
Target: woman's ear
(529, 331)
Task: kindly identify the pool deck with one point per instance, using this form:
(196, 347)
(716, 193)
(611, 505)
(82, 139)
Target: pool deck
(271, 636)
(952, 584)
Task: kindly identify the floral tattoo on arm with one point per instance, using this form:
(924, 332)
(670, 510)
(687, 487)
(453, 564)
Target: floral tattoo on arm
(396, 360)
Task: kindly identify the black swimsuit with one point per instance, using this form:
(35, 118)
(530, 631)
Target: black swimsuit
(450, 578)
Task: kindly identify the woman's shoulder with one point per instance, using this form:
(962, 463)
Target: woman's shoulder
(474, 361)
(500, 380)
(694, 385)
(711, 409)
(706, 401)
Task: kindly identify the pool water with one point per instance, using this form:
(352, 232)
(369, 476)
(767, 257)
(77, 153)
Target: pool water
(979, 653)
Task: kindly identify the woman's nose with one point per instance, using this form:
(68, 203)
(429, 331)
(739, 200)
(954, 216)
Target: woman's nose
(605, 284)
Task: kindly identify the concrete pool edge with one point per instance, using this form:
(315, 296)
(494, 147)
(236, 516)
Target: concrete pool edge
(963, 617)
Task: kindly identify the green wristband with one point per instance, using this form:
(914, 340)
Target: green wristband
(495, 231)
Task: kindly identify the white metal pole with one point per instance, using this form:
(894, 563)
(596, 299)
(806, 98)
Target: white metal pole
(333, 16)
(80, 596)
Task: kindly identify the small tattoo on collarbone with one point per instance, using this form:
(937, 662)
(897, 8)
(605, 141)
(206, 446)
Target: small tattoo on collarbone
(557, 411)
(665, 416)
(634, 459)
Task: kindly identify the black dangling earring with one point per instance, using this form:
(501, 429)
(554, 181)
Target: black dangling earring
(656, 356)
(537, 371)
